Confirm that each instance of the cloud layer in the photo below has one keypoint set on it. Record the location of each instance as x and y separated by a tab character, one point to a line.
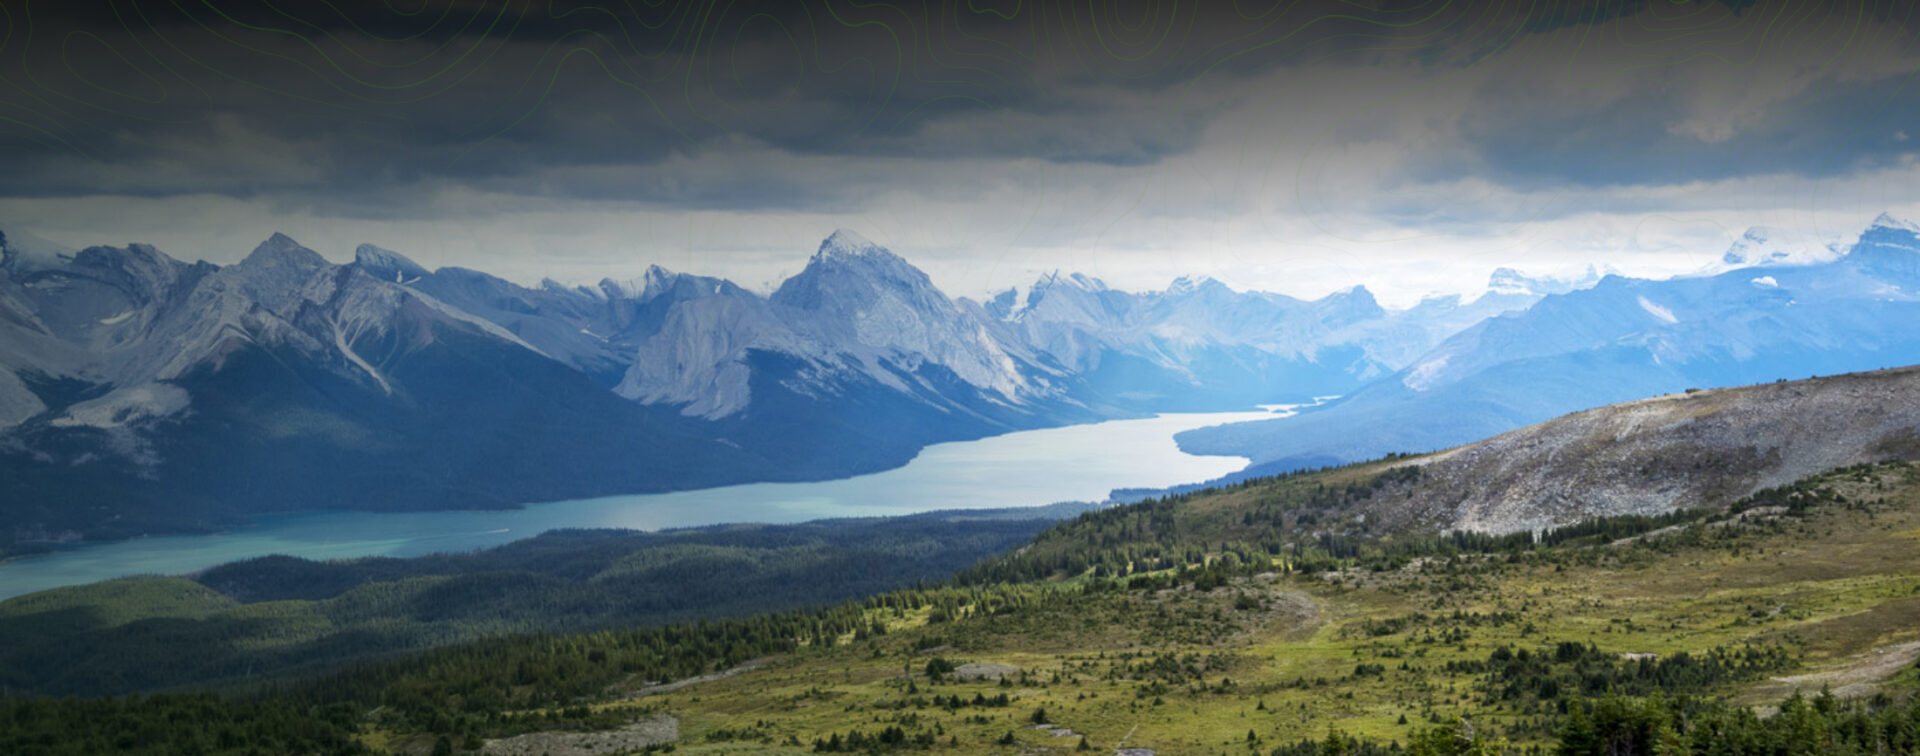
1291	145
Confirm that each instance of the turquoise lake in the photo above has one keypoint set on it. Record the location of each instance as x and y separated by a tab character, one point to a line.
1028	468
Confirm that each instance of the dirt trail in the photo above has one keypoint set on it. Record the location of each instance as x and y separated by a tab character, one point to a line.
669	687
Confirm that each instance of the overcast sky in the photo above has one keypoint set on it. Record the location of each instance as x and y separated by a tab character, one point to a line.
1292	146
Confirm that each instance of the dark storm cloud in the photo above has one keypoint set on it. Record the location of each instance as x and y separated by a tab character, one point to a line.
1835	129
1637	110
353	106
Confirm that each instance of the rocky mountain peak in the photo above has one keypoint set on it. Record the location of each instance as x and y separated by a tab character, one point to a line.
655	281
1358	296
281	251
849	244
1193	285
1887	222
1888	249
850	273
1510	281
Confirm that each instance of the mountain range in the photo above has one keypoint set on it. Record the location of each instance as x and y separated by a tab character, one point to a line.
140	393
1620	340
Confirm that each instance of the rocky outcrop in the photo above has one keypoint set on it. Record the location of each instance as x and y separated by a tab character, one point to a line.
1681	450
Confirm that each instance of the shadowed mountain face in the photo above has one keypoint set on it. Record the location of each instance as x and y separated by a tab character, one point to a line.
180	396
1621	340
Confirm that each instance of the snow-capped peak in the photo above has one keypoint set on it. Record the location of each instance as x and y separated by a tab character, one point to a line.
1742	251
1190	284
1886	221
1357	293
1054	279
846	243
658	281
19	250
1762	246
387	264
1510	281
1079	281
654	281
1889	248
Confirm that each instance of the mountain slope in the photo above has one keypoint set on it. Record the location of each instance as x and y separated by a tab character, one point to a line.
1656	455
595	330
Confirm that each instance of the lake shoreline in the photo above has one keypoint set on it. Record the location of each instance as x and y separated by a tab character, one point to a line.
1019	470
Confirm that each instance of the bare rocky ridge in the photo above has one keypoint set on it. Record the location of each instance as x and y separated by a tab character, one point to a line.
1656	455
652	731
984	671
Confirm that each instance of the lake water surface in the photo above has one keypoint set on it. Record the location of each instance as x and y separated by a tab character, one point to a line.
1029	468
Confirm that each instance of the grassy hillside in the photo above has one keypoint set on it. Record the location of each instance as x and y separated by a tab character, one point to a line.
1802	589
1621	626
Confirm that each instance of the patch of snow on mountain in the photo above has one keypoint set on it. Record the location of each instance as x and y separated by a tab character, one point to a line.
17	402
340	342
387	264
125	406
1665	315
1422	377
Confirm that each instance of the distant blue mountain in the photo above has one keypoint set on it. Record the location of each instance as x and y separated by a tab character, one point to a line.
1199	345
1621	340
